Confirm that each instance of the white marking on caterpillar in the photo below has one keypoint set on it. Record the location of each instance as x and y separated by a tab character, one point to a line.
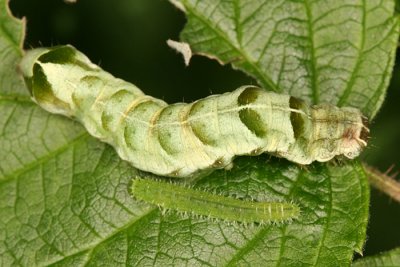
197	202
181	139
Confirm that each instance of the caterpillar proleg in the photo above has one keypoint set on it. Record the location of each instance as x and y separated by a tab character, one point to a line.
181	139
183	199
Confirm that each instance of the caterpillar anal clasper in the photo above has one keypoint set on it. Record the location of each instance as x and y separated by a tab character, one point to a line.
181	139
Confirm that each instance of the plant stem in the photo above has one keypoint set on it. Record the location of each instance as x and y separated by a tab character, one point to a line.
383	181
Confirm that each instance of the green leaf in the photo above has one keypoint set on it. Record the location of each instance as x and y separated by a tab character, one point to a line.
322	51
385	259
64	196
12	32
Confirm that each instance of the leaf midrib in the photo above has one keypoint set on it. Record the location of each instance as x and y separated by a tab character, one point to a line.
105	239
313	74
346	93
16	98
261	234
267	81
17	172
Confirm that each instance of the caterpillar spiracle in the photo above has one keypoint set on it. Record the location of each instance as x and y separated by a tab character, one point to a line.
181	139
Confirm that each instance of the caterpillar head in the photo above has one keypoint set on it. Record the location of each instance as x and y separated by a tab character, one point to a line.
355	137
338	132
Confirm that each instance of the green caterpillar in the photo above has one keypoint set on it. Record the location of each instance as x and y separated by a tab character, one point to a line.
183	199
181	139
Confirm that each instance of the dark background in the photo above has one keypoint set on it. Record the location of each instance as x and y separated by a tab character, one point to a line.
128	39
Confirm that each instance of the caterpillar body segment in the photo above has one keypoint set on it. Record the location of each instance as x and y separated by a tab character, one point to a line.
181	139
